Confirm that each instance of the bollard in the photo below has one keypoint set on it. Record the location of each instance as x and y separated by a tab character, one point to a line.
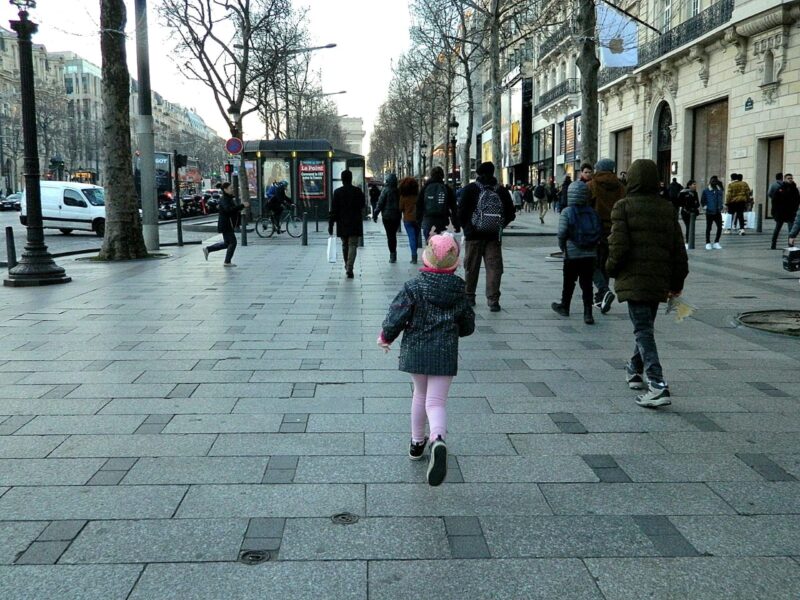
759	217
244	226
178	221
11	250
305	229
690	233
316	216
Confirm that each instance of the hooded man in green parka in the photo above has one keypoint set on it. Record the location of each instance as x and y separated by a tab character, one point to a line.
648	260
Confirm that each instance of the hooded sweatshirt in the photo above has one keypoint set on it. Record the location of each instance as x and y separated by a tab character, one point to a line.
606	190
646	252
432	312
566	244
389	202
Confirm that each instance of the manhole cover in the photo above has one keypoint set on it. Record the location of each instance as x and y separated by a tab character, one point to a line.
786	322
253	557
345	518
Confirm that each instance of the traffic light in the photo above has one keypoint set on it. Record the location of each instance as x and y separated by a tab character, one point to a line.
180	161
228	168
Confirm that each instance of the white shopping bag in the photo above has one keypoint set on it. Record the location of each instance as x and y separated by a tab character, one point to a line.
750	220
727	220
332	249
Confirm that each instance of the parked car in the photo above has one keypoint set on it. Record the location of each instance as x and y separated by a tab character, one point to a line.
10	202
67	206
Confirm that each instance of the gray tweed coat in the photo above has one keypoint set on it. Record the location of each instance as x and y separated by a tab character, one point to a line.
432	312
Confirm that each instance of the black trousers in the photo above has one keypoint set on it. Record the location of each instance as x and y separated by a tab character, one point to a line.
777	232
738	216
391	226
578	269
228	243
710	220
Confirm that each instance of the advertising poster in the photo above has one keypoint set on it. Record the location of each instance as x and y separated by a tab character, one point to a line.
505	129
275	170
516	123
312	180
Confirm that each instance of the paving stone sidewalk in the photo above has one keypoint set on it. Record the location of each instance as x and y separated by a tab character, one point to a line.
159	420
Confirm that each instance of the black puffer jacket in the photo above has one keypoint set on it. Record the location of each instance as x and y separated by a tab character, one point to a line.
229	211
389	201
646	252
432	312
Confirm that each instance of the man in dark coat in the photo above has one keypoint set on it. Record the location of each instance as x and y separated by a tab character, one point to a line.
648	260
346	210
374	194
785	202
606	190
228	219
484	246
446	214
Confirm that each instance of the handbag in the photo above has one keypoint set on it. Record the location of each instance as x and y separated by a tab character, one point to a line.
331	249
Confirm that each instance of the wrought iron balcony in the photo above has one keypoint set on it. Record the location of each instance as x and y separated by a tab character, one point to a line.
715	15
554	40
609	74
568	86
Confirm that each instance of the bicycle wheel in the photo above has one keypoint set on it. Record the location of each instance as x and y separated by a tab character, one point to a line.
264	227
294	226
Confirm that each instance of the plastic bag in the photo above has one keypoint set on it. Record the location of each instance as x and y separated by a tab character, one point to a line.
680	307
331	249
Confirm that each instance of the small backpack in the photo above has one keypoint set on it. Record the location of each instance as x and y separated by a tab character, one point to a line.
584	226
538	191
435	200
488	215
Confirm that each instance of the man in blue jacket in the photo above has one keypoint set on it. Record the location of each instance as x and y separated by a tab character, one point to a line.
713	200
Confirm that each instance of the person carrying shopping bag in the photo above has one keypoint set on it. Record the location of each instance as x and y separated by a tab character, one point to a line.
432	313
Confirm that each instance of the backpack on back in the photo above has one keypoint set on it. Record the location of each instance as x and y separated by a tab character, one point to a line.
435	200
488	215
538	191
584	226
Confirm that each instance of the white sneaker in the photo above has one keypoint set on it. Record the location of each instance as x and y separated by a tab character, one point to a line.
657	395
708	246
741	232
717	246
686	246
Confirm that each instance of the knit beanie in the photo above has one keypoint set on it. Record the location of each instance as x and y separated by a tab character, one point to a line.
441	252
605	164
578	193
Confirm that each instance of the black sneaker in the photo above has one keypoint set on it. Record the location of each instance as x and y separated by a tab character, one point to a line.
417	449
494	308
437	465
634	379
560	309
608	298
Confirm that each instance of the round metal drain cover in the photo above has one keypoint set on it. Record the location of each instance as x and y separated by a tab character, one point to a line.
253	557
786	322
345	518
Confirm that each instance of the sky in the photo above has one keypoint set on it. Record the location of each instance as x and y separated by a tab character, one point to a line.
369	34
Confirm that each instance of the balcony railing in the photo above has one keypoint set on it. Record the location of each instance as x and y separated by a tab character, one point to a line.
554	40
568	86
715	15
609	74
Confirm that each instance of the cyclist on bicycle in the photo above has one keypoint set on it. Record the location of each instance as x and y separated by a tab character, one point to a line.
277	203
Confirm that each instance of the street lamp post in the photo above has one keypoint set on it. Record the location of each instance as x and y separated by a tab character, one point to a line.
453	124
36	266
242	188
422	148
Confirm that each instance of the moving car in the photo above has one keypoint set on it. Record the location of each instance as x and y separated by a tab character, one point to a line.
67	206
10	202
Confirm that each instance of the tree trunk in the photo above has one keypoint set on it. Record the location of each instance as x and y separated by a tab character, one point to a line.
466	171
123	227
589	65
494	82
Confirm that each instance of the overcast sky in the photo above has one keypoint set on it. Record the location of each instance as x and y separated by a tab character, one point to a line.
368	34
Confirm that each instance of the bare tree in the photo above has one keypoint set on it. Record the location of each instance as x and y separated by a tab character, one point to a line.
123	238
51	121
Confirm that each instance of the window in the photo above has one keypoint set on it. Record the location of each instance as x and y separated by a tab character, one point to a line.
96	196
69	85
695	8
73	198
769	67
667	12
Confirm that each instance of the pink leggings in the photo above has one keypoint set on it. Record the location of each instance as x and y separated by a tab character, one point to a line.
430	397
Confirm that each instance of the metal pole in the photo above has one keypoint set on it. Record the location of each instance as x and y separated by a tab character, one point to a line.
759	218
305	228
177	187
36	267
144	132
690	234
11	250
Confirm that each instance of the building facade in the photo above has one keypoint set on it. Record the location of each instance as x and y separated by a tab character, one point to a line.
354	133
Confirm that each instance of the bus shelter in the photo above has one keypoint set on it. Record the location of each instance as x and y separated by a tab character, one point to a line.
312	168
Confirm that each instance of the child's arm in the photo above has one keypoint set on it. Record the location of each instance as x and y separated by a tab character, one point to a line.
399	315
465	321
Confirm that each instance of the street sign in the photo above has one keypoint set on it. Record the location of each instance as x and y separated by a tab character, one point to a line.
234	146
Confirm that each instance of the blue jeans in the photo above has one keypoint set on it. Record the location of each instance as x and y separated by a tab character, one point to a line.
645	353
412	231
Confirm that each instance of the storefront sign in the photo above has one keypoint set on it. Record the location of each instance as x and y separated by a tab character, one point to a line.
748	105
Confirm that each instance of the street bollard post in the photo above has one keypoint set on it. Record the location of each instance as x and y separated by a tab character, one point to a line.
759	217
11	250
690	233
305	228
244	226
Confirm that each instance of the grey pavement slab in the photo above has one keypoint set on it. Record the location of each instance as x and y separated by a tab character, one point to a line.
368	539
29	446
401	405
94	424
196	470
224	423
119	390
752	498
69	582
633	498
456	424
48	471
460	444
308	405
706	577
462	499
267	444
341	580
760	535
565	537
243	390
162	540
34	406
686	467
634	422
482	579
16	536
359	469
308	500
42	553
592	443
789	462
525	469
62	530
91	502
174	406
79	446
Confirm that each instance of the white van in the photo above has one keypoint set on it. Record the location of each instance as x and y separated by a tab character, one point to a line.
67	206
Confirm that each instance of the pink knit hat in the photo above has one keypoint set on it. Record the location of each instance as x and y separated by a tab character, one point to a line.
441	253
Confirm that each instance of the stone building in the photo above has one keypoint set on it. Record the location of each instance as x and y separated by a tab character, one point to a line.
353	129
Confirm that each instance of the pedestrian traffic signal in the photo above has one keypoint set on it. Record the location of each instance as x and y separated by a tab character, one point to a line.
180	161
228	168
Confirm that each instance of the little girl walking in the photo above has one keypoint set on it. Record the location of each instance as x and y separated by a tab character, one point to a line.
432	312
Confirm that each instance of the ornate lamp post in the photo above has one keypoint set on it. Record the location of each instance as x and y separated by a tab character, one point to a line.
422	148
36	266
453	124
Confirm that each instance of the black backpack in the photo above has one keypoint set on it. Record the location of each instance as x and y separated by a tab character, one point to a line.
538	191
584	226
488	215
435	200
